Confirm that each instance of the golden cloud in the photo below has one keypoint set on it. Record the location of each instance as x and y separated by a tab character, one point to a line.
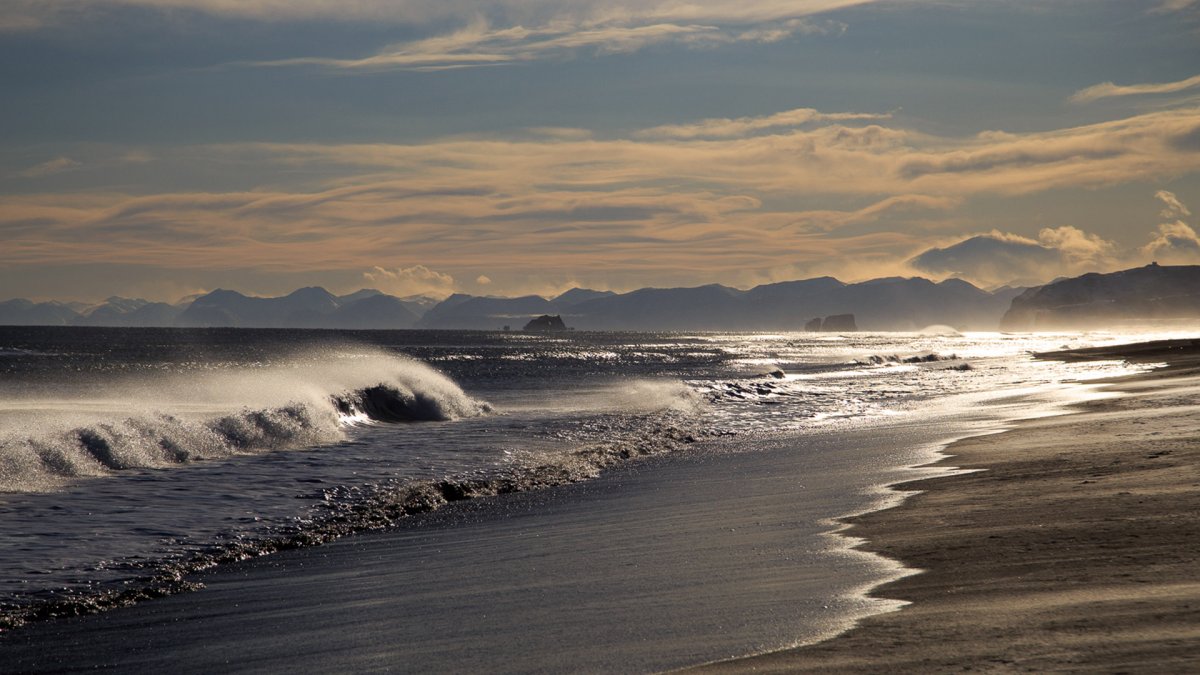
559	203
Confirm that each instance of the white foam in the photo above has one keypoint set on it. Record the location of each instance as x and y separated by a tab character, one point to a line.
163	420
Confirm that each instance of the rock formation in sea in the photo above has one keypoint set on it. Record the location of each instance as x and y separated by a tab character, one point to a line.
545	324
839	323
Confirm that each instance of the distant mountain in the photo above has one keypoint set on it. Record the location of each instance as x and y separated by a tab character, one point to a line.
118	311
27	313
311	307
1141	296
358	295
373	312
418	304
576	296
415	304
705	307
488	313
892	303
881	304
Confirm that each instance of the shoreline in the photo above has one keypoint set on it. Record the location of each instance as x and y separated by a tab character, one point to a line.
662	564
1065	543
295	584
653	566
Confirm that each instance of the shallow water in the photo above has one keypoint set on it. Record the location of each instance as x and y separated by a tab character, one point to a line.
129	454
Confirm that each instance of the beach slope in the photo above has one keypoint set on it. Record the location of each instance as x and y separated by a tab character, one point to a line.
1075	546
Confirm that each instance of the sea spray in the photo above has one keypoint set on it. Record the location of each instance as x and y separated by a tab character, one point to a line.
163	421
347	509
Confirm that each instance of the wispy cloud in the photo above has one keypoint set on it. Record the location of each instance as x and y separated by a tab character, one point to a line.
829	220
1174	242
744	126
1175	208
480	44
1110	90
829	159
1175	5
561	203
48	168
35	13
415	280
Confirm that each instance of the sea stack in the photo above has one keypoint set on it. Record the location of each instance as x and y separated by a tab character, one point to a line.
839	323
546	324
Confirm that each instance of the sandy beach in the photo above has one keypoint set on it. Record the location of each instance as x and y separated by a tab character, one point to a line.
1074	547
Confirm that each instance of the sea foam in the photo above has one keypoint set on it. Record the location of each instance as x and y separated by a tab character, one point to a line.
158	421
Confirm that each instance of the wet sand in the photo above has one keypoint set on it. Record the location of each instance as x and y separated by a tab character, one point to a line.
1076	547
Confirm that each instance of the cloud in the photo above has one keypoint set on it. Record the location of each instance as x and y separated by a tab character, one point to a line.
415	280
561	133
824	221
483	280
479	44
1092	155
1173	242
1079	250
1167	6
57	165
1175	208
744	126
490	34
1110	90
35	13
1000	258
628	207
831	158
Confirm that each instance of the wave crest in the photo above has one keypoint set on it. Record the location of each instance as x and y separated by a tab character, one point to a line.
879	360
396	404
282	409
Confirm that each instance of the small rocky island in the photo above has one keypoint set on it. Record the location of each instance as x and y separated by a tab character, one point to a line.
838	323
546	324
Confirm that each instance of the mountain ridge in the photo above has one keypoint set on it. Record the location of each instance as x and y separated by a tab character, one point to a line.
1143	295
892	303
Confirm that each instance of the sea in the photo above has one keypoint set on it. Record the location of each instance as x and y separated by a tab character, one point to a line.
131	459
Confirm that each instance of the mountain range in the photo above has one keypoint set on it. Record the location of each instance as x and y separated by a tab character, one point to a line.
881	304
892	303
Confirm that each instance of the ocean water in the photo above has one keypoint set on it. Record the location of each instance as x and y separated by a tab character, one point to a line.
130	458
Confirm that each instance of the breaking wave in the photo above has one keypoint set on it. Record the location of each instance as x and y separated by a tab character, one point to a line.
878	360
174	421
348	509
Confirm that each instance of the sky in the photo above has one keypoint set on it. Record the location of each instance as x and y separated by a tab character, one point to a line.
162	148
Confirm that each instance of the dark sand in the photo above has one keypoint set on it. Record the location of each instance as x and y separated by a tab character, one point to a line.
1077	548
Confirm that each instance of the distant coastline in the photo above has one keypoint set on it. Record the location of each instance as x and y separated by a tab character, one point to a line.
1150	295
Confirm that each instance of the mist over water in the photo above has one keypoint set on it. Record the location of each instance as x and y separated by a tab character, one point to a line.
135	454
